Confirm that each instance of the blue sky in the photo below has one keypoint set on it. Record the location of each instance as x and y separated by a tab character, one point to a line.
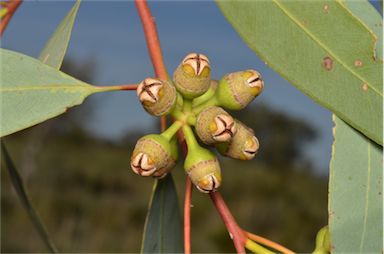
111	33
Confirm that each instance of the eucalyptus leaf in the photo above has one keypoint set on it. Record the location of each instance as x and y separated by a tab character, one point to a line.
33	92
321	48
355	192
163	232
54	50
353	225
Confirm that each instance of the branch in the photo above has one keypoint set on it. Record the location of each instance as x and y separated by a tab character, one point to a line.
236	233
187	216
11	9
125	87
152	39
153	44
268	243
163	123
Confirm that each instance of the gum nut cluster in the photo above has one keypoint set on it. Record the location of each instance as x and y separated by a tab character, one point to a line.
197	104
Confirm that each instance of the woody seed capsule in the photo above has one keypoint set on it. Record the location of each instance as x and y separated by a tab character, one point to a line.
244	145
153	156
214	125
203	168
236	90
192	76
157	96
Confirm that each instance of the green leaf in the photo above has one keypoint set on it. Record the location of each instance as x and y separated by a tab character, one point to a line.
33	92
54	51
163	232
355	192
321	48
356	229
24	198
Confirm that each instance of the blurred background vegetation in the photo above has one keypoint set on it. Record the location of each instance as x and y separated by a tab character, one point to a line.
91	201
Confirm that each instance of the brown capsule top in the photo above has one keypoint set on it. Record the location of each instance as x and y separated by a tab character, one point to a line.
208	183
255	80
158	97
148	90
225	128
142	165
250	147
194	64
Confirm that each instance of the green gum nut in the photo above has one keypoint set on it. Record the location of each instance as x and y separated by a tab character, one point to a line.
214	125
236	90
203	168
153	155
243	146
162	172
192	77
158	97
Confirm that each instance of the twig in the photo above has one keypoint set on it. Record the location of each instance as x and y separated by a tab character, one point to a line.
152	39
118	87
187	216
11	9
268	243
235	231
163	123
256	248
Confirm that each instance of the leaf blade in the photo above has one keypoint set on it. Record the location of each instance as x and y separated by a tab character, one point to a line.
18	184
33	92
355	192
366	236
278	32
56	47
163	228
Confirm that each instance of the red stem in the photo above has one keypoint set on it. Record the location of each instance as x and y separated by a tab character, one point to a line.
163	123
237	234
155	53
268	243
12	7
187	216
129	87
152	39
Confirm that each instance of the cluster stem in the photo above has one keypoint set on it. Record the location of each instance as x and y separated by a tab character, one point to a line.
172	130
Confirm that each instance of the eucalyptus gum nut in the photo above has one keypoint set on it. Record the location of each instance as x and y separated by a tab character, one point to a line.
236	90
214	125
207	95
174	152
153	154
158	97
243	146
192	77
203	168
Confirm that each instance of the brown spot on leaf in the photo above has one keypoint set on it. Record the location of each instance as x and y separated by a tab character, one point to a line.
327	63
358	63
326	8
365	87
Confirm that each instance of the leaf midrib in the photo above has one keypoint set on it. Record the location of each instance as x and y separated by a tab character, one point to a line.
317	40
